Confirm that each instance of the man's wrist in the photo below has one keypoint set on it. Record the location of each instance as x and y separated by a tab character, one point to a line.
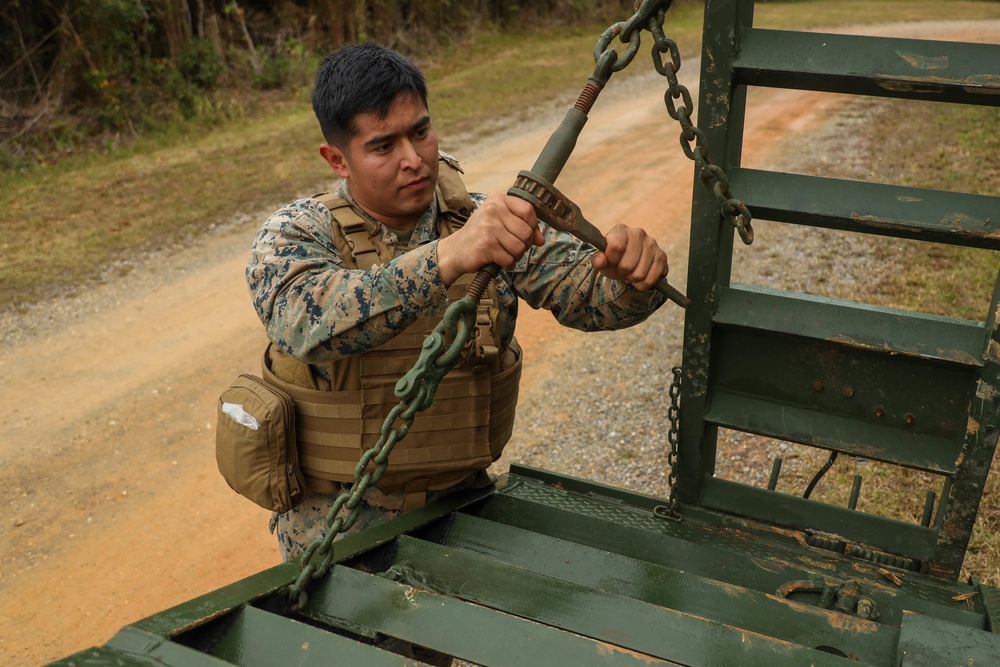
446	260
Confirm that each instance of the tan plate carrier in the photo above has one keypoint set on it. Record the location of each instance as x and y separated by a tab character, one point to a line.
473	412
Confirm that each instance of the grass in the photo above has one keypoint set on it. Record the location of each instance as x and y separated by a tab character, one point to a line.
808	14
945	147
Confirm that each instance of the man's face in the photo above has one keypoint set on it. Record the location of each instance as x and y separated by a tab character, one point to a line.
390	164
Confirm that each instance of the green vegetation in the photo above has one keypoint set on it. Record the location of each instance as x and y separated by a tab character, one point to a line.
103	72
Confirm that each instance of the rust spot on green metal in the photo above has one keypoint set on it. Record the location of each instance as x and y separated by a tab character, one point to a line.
918	61
604	648
985	390
959	356
958	219
793	534
767	566
993	350
843	621
909	86
983	80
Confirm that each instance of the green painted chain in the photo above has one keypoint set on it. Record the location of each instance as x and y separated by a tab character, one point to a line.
711	175
650	14
415	392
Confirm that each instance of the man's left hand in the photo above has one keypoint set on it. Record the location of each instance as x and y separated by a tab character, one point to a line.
633	256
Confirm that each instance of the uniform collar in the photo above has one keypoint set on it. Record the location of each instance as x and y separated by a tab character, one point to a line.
423	232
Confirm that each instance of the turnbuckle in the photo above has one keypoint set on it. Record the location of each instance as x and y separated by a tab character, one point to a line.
558	211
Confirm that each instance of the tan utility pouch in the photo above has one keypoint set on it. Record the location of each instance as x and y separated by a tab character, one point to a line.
255	444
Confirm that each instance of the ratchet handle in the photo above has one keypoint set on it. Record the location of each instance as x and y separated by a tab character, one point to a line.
560	212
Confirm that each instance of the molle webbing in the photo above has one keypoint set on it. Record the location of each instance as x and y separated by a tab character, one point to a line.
465	429
359	240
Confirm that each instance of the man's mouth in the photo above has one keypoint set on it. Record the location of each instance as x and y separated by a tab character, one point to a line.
415	184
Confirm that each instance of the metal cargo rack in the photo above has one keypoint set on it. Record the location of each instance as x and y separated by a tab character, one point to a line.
546	569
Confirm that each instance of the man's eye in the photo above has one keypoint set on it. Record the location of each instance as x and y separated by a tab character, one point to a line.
383	148
422	132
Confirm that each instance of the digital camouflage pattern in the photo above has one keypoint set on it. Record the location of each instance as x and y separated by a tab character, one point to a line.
318	310
302	525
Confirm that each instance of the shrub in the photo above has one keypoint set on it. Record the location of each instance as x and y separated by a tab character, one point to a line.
200	64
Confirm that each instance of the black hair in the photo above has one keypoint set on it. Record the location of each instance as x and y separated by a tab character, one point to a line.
361	78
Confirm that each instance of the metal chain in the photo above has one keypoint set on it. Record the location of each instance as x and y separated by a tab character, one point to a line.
673	437
670	511
710	174
416	389
416	393
650	14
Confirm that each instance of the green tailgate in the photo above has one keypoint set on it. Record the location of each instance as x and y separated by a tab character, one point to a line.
551	570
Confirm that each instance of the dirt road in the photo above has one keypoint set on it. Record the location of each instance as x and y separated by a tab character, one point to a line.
113	507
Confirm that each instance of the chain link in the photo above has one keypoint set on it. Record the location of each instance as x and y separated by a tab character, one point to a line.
710	174
650	14
416	393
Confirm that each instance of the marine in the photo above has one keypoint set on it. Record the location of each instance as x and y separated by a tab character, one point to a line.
339	315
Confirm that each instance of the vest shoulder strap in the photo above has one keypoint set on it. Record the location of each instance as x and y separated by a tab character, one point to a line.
357	240
453	197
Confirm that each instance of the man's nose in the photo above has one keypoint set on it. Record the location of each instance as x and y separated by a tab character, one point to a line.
410	158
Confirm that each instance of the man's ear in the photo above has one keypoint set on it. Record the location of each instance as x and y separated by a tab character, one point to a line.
336	159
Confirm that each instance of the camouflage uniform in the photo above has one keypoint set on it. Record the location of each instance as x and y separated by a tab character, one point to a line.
317	310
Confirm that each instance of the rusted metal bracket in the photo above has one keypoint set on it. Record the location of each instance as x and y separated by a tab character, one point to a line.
845	598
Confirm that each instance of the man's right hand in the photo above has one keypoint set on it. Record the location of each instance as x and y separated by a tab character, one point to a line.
500	231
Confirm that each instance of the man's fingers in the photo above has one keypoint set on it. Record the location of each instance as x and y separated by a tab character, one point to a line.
633	256
522	209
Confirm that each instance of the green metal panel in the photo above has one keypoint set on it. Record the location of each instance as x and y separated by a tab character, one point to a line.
488	637
977	452
257	638
903	388
721	119
956	218
547	569
863	326
660	585
101	656
924	641
867	65
895	537
629	622
751	555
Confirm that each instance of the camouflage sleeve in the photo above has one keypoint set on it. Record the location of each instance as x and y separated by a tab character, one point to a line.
316	309
559	277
